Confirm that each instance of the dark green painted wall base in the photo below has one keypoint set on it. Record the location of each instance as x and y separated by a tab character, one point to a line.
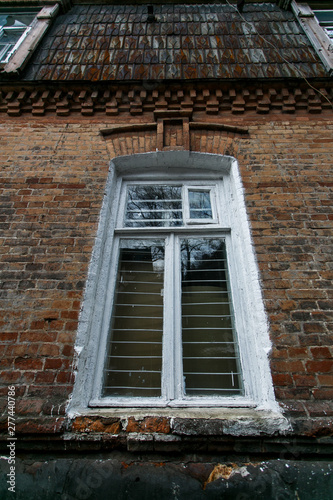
79	478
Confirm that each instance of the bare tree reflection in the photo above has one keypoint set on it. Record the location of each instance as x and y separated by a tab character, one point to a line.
154	206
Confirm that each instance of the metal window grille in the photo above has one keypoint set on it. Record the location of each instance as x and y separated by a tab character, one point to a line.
172	298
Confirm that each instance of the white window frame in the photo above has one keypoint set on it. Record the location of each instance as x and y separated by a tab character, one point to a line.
18	57
172	363
250	318
316	34
212	190
6	54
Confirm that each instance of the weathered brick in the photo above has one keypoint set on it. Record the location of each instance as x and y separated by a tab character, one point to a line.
288	366
53	363
319	366
149	424
304	380
319	408
51	208
95	424
282	379
323	393
298	352
321	352
28	364
29	406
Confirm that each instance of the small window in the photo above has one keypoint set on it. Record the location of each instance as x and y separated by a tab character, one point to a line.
325	19
14	26
200	206
169	206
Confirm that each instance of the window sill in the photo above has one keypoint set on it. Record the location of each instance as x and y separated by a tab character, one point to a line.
184	421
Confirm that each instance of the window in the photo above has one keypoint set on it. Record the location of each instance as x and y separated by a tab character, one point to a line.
14	26
317	25
172	332
173	314
325	19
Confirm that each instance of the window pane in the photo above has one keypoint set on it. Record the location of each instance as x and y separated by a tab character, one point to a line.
200	204
159	206
134	362
8	39
13	26
18	19
210	357
325	19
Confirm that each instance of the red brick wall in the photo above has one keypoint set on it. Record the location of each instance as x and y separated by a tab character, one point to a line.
52	179
53	173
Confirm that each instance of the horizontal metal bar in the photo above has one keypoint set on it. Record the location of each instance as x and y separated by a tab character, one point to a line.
137	342
138	271
140	293
113	356
138	317
133	371
213	260
205	315
208	269
206	303
141	262
210	373
203	358
137	330
131	387
206	281
142	283
212	389
208	328
140	305
208	342
199	292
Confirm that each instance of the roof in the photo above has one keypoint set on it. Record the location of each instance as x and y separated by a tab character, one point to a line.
176	42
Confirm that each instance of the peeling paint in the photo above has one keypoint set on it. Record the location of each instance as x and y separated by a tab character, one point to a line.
220	471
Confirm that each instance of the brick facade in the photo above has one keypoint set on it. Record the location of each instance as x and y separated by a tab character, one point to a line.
107	81
52	182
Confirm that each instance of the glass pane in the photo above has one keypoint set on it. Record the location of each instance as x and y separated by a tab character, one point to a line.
159	206
17	19
11	36
13	24
134	362
210	356
324	15
200	204
325	18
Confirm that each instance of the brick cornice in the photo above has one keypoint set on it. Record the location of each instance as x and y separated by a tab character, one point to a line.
212	99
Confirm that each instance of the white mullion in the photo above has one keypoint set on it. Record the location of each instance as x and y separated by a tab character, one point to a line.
186	207
168	369
178	349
